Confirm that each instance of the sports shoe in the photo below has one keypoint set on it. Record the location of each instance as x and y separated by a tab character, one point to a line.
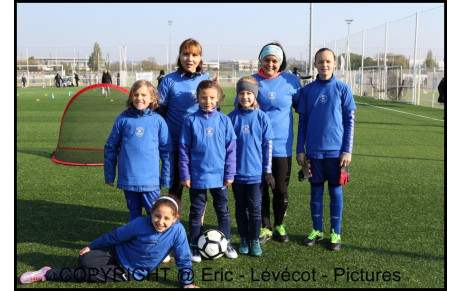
167	259
265	235
336	242
280	233
244	248
230	252
196	257
255	247
34	276
314	237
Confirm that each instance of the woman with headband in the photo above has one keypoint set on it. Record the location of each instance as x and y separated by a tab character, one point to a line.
130	252
277	95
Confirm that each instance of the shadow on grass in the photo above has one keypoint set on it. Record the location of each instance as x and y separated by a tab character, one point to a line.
404	158
64	225
324	244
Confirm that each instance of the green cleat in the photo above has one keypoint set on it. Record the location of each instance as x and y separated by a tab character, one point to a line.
336	242
265	235
280	233
314	237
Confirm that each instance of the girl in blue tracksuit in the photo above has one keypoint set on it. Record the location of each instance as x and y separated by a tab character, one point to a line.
139	139
207	160
254	160
178	94
130	252
325	133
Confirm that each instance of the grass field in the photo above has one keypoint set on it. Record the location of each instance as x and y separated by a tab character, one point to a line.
393	229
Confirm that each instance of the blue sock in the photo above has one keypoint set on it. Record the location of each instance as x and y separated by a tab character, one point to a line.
336	206
316	207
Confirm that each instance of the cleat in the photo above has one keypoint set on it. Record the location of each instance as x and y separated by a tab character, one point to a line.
336	242
34	276
244	248
196	257
265	235
255	248
280	233
314	237
230	252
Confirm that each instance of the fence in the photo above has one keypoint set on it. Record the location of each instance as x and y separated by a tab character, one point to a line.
413	37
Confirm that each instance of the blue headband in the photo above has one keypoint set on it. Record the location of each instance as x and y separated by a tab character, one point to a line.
273	50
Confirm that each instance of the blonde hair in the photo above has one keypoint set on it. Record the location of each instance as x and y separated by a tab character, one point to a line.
252	80
153	92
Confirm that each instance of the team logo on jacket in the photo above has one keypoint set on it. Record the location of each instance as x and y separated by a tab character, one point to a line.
139	131
271	95
192	96
246	129
209	131
323	99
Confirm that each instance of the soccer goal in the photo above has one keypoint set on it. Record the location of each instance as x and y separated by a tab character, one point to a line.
385	82
37	75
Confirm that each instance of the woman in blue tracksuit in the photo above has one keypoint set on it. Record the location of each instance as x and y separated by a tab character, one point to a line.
207	160
277	96
139	139
253	159
130	252
178	94
325	133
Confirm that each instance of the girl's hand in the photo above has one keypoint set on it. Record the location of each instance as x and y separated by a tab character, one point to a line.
344	159
84	251
301	159
227	182
191	286
110	184
186	184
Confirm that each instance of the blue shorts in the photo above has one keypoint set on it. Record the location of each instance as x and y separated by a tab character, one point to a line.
325	170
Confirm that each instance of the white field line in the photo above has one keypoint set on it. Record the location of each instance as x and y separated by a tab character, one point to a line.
400	111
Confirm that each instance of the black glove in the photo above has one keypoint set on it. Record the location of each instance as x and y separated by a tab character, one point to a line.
268	177
305	172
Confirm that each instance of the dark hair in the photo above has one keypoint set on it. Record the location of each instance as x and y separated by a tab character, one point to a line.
284	63
166	202
325	49
162	72
191	45
206	84
137	85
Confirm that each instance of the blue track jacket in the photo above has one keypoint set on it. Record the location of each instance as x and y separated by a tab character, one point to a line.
138	140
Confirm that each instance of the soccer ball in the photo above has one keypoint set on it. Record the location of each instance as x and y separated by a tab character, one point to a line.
212	244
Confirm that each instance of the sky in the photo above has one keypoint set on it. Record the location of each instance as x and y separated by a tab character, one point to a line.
225	30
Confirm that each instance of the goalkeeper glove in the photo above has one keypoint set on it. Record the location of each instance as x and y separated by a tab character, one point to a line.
344	175
305	172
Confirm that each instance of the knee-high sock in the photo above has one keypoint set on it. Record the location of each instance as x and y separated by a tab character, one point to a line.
336	206
316	207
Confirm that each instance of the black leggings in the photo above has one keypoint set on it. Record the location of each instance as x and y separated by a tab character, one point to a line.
98	266
281	168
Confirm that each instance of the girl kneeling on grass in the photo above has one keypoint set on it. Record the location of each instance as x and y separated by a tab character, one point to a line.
130	252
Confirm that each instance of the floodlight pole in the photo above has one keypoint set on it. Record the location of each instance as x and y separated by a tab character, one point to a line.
168	66
348	21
